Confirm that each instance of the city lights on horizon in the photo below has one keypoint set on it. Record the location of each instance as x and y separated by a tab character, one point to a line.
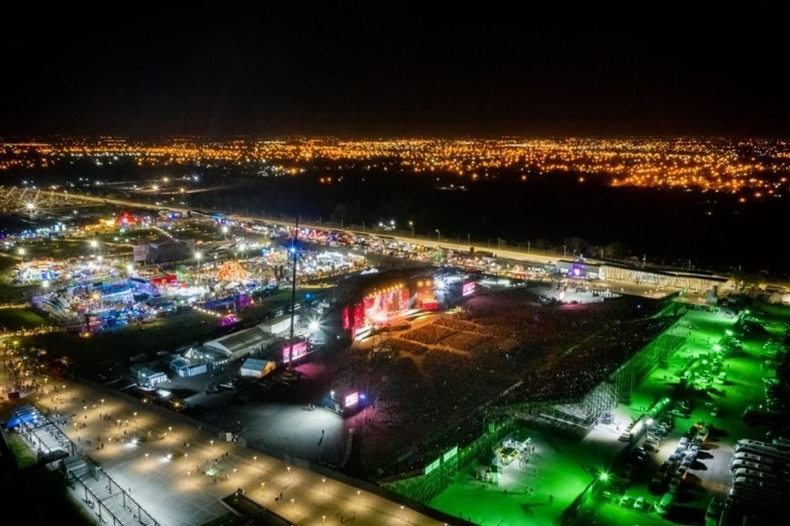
754	169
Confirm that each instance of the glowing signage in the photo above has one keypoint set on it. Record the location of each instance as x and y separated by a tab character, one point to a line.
433	465
299	350
228	319
449	454
468	289
352	399
430	304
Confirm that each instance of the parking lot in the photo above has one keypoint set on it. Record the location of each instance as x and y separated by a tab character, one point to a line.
679	469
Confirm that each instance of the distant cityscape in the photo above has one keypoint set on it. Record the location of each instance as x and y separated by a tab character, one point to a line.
750	169
627	199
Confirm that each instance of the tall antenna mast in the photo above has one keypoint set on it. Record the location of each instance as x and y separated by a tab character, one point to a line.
293	297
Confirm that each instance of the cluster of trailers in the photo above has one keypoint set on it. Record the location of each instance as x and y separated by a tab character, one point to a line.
760	471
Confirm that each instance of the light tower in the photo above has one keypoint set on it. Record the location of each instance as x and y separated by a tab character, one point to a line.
290	373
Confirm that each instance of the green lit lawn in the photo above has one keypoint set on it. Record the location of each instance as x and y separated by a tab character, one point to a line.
25	456
742	388
523	495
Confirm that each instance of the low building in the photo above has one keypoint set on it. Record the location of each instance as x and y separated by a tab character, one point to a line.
242	343
256	367
212	357
278	326
185	368
146	377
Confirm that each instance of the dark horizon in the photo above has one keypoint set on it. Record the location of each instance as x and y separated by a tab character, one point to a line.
392	70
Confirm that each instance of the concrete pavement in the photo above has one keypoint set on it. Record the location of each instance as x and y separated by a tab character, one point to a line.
179	474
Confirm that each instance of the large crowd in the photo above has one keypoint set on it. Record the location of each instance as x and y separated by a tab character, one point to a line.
429	334
573	374
18	374
441	375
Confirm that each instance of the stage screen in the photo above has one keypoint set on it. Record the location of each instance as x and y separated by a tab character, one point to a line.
352	399
468	288
300	349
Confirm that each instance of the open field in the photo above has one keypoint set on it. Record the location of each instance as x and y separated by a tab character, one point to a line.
16	319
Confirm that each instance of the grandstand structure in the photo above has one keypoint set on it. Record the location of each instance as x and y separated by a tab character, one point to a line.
698	282
577	415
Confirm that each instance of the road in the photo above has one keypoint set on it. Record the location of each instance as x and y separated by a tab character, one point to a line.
524	256
521	256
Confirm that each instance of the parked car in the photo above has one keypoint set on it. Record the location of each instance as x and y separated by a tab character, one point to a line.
657	484
713	512
674	485
665	504
649	445
609	496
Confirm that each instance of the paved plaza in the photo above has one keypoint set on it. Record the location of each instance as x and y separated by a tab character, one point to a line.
179	475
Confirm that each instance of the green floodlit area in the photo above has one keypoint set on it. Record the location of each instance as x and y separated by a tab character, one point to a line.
665	454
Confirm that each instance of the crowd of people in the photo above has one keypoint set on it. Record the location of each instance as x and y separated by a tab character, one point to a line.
574	373
441	375
17	372
430	334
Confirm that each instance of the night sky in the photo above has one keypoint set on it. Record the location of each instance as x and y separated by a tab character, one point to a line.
397	69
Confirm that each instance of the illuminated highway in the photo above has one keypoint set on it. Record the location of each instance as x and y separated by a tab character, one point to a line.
524	256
